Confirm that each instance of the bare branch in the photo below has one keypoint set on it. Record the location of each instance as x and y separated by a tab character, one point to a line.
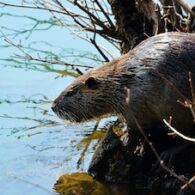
100	51
3	4
93	41
105	14
32	184
45	8
95	19
177	132
190	181
29	57
192	88
163	166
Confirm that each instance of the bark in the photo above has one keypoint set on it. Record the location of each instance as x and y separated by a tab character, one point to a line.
135	21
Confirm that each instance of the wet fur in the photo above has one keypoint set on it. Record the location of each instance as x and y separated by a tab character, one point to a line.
156	72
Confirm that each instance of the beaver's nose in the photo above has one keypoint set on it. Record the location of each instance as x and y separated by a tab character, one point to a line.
54	106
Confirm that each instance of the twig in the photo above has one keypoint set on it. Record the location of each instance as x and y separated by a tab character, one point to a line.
100	51
86	38
32	58
190	181
3	4
159	159
79	71
95	19
177	132
164	167
80	160
105	14
93	41
33	184
192	88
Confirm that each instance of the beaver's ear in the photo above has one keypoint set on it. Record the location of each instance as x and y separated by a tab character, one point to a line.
91	83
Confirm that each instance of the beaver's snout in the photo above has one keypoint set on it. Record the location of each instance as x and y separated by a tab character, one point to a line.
54	106
61	101
56	103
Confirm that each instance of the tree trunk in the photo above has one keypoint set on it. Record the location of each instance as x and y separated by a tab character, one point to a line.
135	21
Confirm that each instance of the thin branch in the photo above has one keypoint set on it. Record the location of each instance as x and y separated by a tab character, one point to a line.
177	132
53	62
192	88
46	8
163	166
82	155
30	57
105	14
100	51
3	4
33	184
159	159
93	41
95	19
190	181
84	38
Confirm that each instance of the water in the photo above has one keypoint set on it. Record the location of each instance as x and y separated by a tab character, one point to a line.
31	155
35	146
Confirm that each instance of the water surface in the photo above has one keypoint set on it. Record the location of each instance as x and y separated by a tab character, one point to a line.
35	146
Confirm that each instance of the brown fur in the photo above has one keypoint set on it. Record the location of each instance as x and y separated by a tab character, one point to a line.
156	72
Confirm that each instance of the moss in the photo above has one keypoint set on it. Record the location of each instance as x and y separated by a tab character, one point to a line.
80	183
96	135
99	134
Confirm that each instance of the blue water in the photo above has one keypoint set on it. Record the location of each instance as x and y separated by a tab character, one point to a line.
31	157
34	152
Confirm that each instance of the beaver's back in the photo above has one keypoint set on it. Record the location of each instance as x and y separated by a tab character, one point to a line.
162	78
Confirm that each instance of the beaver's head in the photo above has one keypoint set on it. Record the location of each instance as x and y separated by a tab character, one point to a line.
96	93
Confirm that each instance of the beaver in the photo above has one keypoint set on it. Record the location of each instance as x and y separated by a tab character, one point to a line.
156	72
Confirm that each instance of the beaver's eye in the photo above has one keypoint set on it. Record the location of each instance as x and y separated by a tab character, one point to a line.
69	93
91	83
